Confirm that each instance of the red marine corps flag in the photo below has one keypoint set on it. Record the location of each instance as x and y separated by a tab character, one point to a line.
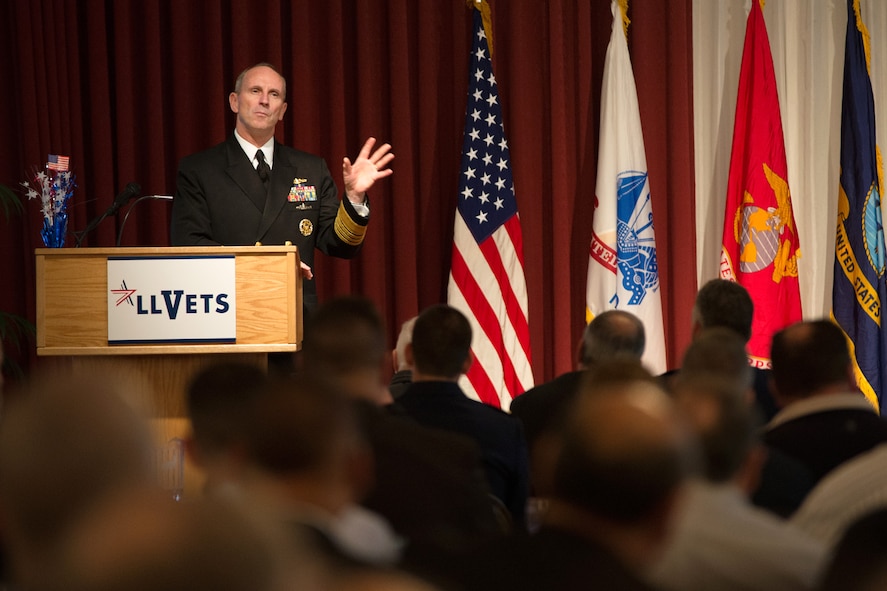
760	246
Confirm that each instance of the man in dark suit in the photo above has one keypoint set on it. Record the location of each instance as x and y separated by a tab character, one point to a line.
251	189
723	303
440	353
612	334
825	420
622	463
428	483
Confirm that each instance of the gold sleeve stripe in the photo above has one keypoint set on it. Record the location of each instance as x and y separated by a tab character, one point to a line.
347	229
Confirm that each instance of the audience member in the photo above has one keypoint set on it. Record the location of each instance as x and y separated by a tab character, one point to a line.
219	399
727	304
135	544
376	580
344	345
612	334
429	483
403	372
440	352
719	351
67	442
856	487
622	463
310	466
858	562
721	541
824	420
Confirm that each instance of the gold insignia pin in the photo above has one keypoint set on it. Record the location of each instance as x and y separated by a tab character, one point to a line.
298	181
306	227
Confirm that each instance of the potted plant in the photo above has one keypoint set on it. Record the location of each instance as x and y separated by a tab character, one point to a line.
15	330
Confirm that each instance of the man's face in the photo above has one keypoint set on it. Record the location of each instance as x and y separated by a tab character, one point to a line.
259	104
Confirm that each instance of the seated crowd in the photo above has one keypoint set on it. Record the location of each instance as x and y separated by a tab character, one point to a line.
712	476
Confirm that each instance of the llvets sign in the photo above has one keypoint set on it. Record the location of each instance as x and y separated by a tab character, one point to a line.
171	300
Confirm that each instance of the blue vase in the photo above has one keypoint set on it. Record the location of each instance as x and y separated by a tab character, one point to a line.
54	234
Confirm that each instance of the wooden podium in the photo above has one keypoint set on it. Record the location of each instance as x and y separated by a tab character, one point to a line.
72	324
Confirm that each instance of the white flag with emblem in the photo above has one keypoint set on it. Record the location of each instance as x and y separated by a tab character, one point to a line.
623	272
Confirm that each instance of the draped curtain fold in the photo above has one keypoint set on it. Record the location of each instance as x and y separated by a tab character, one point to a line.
127	88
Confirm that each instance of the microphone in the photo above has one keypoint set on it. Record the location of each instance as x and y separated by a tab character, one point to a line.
133	206
130	191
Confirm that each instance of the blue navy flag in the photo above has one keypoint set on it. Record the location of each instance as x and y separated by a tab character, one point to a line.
487	280
859	284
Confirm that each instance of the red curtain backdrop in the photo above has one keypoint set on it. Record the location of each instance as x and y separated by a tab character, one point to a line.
127	88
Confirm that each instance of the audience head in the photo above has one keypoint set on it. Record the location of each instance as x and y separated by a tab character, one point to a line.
404	338
723	303
858	560
66	442
719	351
810	358
718	412
381	580
623	451
219	399
305	436
441	345
623	458
611	334
134	544
345	345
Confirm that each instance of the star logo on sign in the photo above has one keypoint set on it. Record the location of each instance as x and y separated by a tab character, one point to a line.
124	294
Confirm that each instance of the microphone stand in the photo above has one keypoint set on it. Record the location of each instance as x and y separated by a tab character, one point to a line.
131	190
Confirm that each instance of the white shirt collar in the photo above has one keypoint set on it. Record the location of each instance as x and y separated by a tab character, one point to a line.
250	150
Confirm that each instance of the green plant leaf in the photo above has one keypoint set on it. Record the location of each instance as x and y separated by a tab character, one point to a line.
10	202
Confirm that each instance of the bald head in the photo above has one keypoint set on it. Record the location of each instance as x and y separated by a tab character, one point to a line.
612	334
624	452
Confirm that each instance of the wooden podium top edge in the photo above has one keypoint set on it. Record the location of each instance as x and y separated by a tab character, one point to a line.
162	250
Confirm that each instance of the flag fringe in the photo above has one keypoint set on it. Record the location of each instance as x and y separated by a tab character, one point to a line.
866	38
623	6
486	14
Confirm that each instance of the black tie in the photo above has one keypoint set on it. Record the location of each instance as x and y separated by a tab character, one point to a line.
263	169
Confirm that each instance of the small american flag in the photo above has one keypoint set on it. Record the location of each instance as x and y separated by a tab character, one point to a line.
487	280
56	162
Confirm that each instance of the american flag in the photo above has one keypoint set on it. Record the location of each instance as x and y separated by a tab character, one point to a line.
487	275
56	162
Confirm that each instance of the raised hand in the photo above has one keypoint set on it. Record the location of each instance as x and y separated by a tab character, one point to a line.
360	175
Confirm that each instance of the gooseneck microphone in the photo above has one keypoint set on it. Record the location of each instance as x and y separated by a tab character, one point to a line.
133	206
131	190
